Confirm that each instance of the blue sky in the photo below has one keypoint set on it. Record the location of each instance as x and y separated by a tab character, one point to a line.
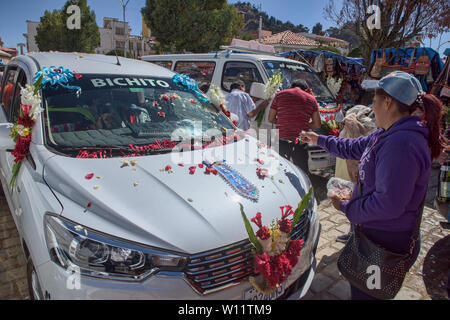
14	13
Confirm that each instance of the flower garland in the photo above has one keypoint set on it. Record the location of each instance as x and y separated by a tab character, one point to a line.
270	90
30	109
334	110
275	254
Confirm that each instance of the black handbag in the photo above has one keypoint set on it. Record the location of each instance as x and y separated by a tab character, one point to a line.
360	255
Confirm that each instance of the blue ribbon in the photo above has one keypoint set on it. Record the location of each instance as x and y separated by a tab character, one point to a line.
53	77
189	84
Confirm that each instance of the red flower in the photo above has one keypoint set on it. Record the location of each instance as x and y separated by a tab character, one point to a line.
263	233
89	176
193	101
293	251
166	98
261	173
257	220
200	165
26	110
162	114
286	211
235	123
192	170
285	225
327	119
25	121
168	167
78	76
262	265
181	165
214	172
21	148
155	104
332	117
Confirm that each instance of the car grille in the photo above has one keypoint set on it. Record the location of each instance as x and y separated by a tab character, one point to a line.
219	269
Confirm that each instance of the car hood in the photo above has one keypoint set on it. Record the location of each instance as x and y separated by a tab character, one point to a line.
176	211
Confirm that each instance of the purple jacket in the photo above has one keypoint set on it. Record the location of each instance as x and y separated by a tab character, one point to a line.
394	171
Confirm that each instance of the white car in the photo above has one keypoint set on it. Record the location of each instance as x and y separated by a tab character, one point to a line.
102	216
223	68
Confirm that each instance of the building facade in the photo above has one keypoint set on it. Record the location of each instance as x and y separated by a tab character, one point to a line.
112	37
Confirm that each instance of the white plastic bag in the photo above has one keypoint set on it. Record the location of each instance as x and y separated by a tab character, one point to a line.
339	188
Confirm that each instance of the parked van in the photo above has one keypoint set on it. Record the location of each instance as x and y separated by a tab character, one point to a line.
223	68
104	213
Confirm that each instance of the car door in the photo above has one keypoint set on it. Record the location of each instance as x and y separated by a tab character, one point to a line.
6	158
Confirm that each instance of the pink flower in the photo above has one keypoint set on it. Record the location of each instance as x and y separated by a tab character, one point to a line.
193	101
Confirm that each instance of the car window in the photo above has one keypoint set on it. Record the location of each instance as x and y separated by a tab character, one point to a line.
201	71
16	100
244	71
8	88
120	110
164	64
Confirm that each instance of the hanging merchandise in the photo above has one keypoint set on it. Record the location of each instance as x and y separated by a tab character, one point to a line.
319	63
329	66
423	64
410	63
376	69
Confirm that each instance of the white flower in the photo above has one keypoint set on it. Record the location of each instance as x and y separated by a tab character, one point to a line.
334	85
35	112
273	85
216	96
22	131
280	243
28	98
266	245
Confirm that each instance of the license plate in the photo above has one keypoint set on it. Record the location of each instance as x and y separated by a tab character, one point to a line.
253	294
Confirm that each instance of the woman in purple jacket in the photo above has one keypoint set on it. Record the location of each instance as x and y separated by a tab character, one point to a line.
394	164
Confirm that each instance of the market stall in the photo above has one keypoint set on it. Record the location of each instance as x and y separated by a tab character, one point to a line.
424	63
341	73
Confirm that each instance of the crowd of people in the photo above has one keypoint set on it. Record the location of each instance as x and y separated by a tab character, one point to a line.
389	160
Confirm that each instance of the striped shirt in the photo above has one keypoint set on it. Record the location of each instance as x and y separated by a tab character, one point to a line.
294	110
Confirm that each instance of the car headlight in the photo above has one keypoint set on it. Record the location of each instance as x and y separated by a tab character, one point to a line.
99	255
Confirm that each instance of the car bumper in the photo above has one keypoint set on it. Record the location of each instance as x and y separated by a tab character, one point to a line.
60	284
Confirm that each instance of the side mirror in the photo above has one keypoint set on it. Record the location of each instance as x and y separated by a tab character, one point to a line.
257	90
6	143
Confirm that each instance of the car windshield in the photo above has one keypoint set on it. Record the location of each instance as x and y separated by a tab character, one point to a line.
125	111
294	71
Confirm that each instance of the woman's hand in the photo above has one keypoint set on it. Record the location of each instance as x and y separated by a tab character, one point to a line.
336	203
309	137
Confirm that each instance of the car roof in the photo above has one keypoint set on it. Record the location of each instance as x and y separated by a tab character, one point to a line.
96	63
219	55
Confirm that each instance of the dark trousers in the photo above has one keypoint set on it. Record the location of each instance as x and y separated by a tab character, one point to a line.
398	242
295	153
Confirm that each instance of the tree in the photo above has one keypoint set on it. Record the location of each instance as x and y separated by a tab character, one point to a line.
194	26
401	20
53	33
317	29
346	32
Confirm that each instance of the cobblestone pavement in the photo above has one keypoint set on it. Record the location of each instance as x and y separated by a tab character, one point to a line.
328	283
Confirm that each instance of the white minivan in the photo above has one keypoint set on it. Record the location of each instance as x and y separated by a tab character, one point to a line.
104	212
223	68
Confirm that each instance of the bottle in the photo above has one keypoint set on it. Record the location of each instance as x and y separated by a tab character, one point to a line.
444	185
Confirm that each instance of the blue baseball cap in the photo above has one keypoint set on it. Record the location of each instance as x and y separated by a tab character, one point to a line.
401	86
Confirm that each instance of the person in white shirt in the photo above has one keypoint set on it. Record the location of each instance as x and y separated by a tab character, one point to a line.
240	103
